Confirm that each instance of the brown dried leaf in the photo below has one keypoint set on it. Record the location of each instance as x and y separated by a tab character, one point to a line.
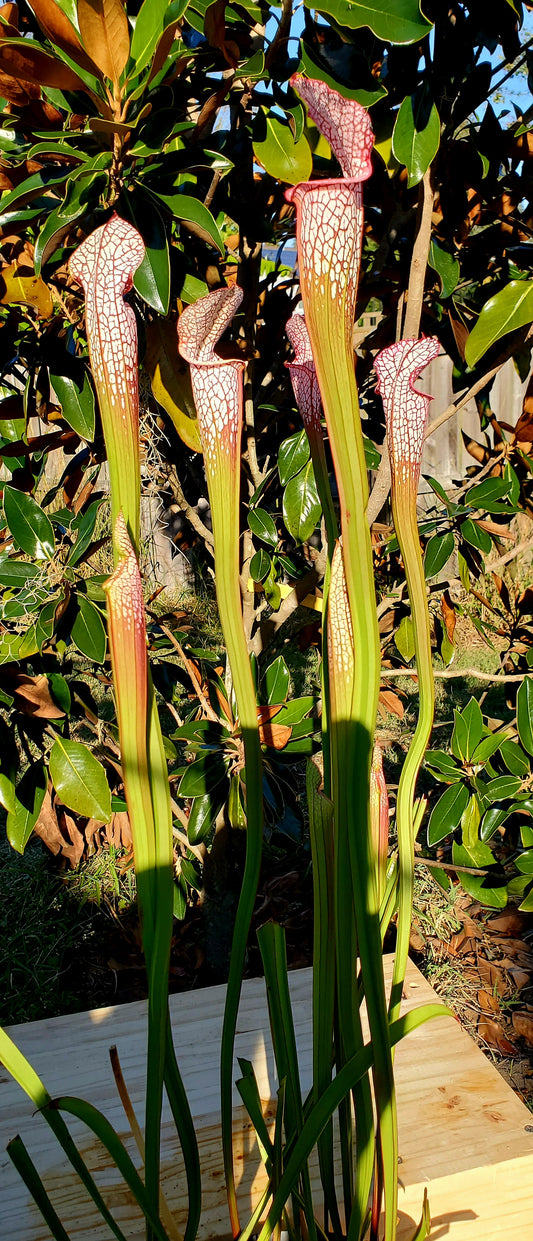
478	451
30	64
59	30
448	614
487	1002
391	703
492	976
105	33
33	697
509	923
493	1034
73	851
275	735
268	712
523	1026
47	826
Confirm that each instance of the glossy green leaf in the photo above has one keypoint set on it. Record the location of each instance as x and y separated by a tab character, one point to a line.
280	155
192	211
446	267
60	691
404	639
416	135
488	889
277	681
506	311
202	776
473	721
301	504
149	26
204	811
263	526
15	573
444	763
260	565
293	454
514	758
437	553
29	797
152	278
487	747
84	525
446	815
179	900
493	819
88	631
394	21
31	528
524	714
470	820
76	398
476	536
489	495
80	780
272	590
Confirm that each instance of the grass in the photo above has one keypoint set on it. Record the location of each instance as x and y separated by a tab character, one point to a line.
51	927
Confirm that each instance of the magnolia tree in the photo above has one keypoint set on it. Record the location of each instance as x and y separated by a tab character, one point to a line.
152	156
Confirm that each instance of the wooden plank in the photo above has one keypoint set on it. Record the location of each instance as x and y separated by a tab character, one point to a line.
463	1132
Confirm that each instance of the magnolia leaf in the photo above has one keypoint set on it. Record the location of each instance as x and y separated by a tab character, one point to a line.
508	310
301	504
438	551
24	59
195	216
152	278
76	398
277	681
58	28
416	136
171	380
105	33
446	266
149	25
280	155
524	714
30	527
88	631
32	696
293	454
488	889
263	526
29	797
20	286
80	780
394	21
404	639
447	813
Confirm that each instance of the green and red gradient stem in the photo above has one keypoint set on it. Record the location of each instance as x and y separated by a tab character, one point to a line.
406	411
104	265
217	385
329	227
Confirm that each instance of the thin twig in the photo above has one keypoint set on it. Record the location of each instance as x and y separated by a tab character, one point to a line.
190	513
189	668
463	870
448	673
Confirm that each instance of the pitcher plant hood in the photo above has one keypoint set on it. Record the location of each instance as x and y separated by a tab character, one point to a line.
216	381
343	122
104	264
406	409
303	374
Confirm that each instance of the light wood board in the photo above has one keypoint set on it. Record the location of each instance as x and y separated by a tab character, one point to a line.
463	1132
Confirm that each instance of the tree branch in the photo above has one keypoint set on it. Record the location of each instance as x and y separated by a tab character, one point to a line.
419	261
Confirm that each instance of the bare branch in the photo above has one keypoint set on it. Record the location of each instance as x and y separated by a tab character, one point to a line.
447	673
419	260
